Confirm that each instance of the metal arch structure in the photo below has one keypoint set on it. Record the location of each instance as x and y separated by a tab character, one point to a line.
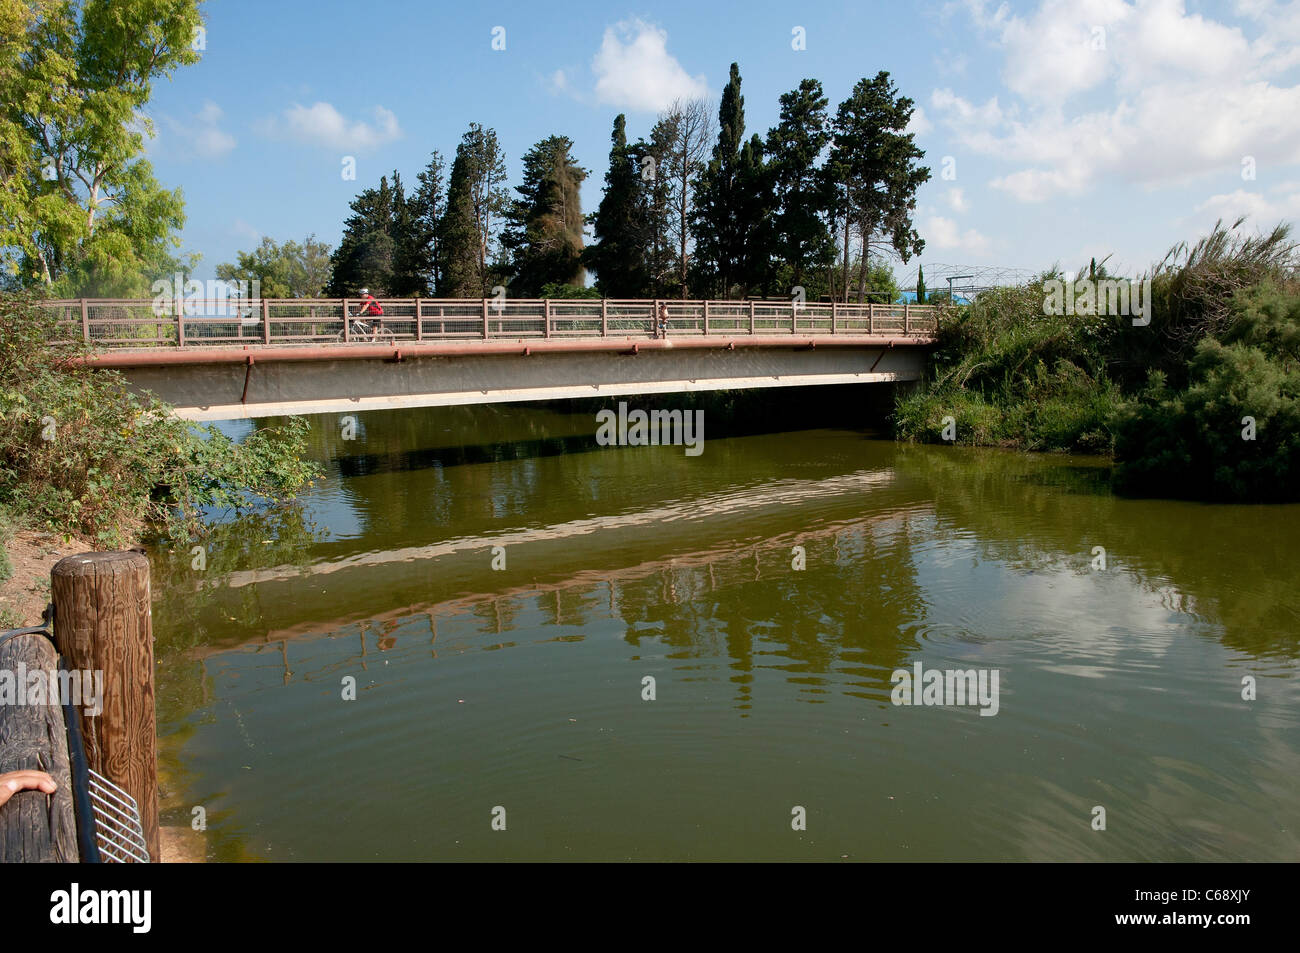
969	280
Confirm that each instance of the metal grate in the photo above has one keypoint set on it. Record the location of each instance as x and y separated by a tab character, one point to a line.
118	830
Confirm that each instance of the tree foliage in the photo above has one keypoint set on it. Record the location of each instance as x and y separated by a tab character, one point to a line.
80	210
288	270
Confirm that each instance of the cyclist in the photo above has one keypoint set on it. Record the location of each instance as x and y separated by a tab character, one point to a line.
371	306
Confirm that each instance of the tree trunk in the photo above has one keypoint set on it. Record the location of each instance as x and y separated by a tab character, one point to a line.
862	267
846	259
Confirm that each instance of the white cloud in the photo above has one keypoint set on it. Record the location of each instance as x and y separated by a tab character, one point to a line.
559	81
198	136
944	233
321	124
634	69
1169	95
920	123
1265	211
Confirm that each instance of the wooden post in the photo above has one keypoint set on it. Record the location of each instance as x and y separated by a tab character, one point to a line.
751	317
871	318
485	321
102	623
180	327
546	305
419	324
604	317
35	827
347	323
85	321
266	321
706	315
834	316
907	319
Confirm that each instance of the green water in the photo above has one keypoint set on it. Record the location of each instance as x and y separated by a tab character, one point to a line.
522	687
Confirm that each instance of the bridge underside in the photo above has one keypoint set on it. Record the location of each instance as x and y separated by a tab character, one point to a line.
246	383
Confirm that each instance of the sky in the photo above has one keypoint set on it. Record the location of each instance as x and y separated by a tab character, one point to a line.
1056	130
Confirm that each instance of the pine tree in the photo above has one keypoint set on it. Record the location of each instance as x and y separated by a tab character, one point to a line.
364	258
801	240
920	284
873	162
544	234
415	234
618	258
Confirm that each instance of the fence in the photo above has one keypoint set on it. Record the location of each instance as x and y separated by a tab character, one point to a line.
147	323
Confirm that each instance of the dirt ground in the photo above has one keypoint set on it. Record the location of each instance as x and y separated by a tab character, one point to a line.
25	594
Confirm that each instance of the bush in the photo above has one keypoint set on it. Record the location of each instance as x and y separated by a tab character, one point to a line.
1193	442
79	452
1013	376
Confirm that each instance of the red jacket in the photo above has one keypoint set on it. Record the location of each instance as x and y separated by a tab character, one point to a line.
372	306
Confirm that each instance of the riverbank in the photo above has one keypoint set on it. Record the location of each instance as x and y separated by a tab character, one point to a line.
1195	393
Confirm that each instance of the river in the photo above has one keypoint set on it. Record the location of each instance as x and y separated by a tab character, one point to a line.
635	653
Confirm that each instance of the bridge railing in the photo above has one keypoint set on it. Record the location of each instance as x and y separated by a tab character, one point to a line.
149	323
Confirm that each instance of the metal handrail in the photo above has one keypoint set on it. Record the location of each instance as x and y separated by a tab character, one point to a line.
159	322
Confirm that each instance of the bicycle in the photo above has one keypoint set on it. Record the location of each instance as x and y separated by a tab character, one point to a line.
368	334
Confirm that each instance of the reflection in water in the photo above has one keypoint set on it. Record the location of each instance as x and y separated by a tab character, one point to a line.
522	686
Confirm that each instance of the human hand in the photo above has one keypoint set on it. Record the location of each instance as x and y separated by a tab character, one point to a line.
14	781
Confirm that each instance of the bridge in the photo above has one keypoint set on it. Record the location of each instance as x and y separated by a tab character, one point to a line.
241	358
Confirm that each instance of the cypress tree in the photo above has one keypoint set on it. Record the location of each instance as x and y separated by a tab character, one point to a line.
719	234
920	284
618	257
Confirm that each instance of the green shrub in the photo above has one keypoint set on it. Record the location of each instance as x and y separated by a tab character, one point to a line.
79	452
1192	441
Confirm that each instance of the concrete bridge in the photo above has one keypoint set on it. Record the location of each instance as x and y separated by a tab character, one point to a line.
229	359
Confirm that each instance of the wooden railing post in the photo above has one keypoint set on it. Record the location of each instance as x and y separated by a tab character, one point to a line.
347	323
871	318
751	317
485	318
85	321
419	322
180	326
834	316
266	321
794	318
907	319
102	624
546	306
604	317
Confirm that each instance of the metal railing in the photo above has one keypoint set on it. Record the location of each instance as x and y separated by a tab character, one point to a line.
149	323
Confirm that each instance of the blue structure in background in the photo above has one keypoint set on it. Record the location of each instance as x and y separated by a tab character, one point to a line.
909	297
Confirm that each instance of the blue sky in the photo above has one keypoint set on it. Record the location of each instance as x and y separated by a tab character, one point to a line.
1072	128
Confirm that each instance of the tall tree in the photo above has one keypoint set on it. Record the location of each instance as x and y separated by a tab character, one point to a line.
920	284
681	135
423	256
477	202
719	233
289	270
545	222
618	257
874	162
80	210
801	238
364	258
754	207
